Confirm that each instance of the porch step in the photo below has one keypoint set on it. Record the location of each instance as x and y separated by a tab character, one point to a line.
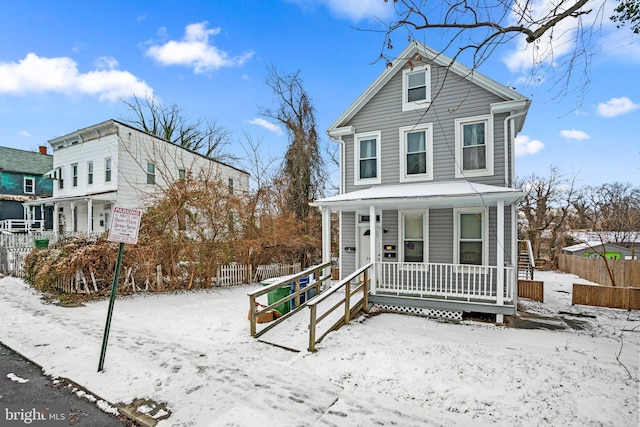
425	312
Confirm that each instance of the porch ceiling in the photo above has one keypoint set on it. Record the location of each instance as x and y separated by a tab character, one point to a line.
422	195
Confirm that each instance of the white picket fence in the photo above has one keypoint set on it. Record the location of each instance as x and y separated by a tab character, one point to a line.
14	248
234	274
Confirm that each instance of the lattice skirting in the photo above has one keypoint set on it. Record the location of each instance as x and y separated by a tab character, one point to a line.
426	312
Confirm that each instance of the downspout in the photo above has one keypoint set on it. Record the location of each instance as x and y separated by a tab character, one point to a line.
510	182
341	187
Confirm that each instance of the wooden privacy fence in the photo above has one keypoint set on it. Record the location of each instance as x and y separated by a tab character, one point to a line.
625	272
531	289
606	296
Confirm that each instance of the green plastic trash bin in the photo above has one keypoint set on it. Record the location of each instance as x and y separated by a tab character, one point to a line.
42	243
277	294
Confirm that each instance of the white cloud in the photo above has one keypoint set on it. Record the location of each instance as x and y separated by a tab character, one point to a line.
24	133
194	50
616	106
61	75
526	145
267	125
106	63
578	135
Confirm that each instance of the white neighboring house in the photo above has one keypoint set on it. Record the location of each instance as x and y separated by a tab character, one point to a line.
112	163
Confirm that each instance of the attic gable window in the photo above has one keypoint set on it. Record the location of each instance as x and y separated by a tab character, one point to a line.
416	88
367	158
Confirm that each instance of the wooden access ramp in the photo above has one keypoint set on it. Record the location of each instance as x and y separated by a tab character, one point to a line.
332	307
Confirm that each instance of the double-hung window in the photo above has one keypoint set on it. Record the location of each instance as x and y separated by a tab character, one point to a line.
474	146
416	152
151	173
29	185
60	177
89	172
74	175
413	232
230	185
471	241
107	169
367	158
416	88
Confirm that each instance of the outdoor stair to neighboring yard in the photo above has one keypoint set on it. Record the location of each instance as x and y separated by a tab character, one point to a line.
526	265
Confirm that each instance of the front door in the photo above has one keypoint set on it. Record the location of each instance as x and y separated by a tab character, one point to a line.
364	243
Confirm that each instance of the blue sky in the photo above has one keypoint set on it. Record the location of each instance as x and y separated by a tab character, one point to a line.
65	65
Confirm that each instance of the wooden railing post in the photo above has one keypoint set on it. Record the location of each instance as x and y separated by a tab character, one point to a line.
252	315
312	328
347	302
296	289
365	289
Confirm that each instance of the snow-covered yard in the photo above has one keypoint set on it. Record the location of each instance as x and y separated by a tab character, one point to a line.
193	352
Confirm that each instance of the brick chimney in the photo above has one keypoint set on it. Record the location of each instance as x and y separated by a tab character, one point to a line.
42	149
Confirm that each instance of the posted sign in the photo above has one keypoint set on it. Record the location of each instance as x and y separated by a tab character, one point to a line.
125	225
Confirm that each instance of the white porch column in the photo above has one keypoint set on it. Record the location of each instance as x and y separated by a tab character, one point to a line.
500	258
56	216
73	217
514	253
89	216
326	238
372	247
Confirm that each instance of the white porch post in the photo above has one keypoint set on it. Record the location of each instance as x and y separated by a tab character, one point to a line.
326	238
73	217
56	216
42	217
89	216
514	253
500	258
372	247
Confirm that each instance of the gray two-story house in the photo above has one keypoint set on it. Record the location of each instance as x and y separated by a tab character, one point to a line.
427	189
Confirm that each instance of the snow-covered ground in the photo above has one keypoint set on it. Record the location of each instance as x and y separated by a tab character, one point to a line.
193	352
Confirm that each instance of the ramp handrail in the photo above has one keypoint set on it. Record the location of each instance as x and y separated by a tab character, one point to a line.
318	273
348	293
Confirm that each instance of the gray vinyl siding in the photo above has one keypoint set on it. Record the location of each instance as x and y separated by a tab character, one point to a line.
440	235
348	239
459	98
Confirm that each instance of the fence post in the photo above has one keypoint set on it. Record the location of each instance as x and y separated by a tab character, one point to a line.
252	315
312	328
159	281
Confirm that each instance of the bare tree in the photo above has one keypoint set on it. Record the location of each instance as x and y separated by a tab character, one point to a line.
477	28
546	207
303	170
170	123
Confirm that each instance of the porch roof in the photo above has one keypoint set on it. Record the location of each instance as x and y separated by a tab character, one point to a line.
107	196
422	195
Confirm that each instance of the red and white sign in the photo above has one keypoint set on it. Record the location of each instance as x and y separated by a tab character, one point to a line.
125	225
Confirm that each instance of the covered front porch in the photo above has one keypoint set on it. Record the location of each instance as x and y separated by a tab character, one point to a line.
445	274
88	214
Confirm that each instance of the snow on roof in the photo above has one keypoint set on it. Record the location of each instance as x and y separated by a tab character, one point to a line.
442	194
606	236
595	244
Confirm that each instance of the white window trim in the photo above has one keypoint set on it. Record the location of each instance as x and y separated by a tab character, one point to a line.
33	185
148	174
489	146
403	131
109	169
90	172
456	233
75	171
425	232
416	105
356	157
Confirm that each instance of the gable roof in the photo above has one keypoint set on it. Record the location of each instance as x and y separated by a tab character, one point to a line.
513	100
113	122
27	162
594	245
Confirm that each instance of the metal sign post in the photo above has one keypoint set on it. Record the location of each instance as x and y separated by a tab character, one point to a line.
124	229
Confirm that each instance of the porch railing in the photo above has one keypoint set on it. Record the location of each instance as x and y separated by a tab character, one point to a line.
468	282
21	225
